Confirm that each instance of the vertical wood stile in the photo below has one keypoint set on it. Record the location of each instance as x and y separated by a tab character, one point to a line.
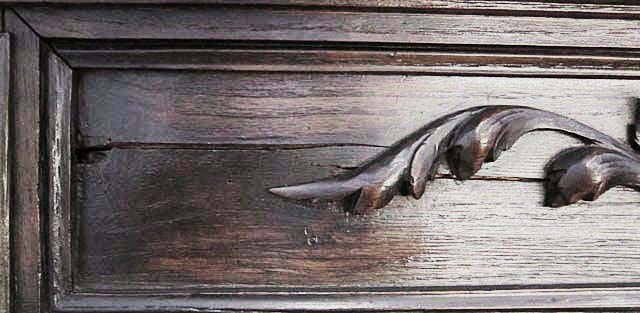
5	252
26	180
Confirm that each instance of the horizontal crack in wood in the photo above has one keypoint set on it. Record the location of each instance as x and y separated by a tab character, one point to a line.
199	146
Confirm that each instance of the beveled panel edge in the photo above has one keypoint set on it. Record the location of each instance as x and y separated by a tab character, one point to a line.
529	299
387	60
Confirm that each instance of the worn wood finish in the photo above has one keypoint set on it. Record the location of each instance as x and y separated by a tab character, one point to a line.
118	106
391	60
59	138
248	23
26	195
5	177
139	231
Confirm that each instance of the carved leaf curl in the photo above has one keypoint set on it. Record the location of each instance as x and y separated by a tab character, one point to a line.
464	139
585	173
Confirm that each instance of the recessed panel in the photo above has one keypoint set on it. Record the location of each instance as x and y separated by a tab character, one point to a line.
173	170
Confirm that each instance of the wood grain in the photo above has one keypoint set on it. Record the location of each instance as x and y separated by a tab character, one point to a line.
5	178
248	23
25	128
299	108
139	231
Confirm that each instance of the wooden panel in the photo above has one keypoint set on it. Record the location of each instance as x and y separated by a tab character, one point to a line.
25	213
290	108
138	229
247	23
5	177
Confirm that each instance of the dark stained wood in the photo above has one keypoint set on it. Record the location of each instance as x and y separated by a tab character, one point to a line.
465	140
25	127
139	231
249	23
5	177
201	107
58	103
327	60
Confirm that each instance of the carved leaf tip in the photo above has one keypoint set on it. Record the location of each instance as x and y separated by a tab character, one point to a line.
585	173
633	133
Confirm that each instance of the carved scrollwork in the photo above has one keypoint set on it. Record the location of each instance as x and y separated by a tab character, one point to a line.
465	140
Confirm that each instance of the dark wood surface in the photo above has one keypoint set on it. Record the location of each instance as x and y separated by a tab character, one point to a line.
26	249
139	230
5	177
248	23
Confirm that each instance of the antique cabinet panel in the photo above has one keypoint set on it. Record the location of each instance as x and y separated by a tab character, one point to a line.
147	137
158	142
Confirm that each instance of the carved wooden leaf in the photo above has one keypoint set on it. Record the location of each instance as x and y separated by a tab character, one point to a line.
464	139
